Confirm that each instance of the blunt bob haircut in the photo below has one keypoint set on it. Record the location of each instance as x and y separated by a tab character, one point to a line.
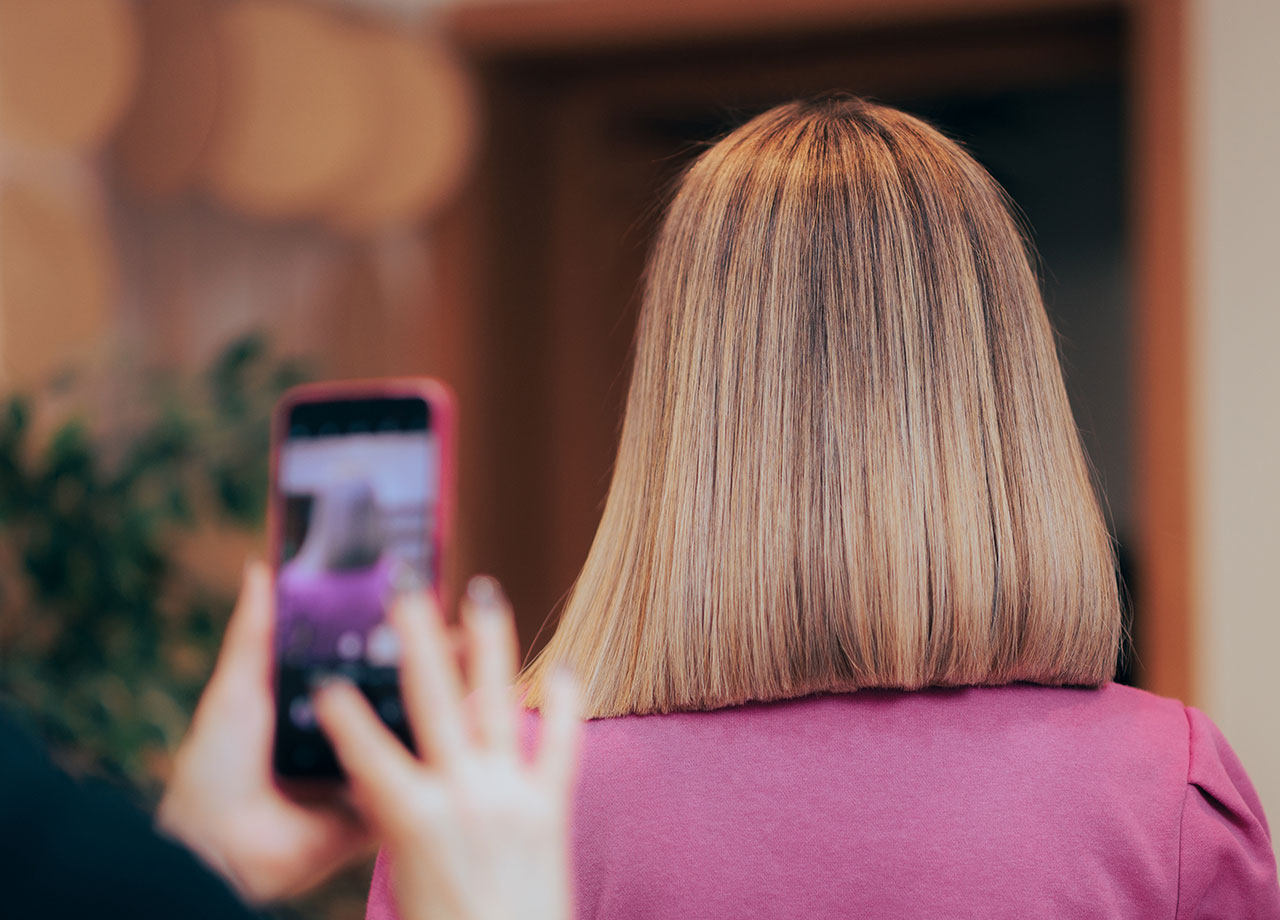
847	458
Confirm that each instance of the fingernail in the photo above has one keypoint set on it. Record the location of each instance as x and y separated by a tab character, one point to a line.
325	679
562	678
407	580
484	592
562	689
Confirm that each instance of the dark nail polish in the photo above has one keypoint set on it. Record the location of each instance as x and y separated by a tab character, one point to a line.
484	592
407	580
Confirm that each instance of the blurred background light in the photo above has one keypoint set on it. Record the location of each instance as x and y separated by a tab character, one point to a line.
67	70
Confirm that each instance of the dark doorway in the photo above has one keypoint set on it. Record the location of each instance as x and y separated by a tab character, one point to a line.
581	155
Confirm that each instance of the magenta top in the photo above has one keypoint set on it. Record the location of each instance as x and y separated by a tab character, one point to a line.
1008	802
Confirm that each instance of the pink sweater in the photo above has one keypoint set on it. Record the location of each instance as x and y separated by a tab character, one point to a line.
1012	802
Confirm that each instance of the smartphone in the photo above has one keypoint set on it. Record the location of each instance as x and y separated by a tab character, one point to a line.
361	494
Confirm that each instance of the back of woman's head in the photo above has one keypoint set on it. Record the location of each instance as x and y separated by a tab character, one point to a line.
848	459
348	529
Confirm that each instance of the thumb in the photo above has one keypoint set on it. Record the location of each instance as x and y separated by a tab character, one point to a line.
246	646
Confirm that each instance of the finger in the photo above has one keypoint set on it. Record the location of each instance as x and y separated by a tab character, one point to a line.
429	681
379	768
557	757
491	662
246	646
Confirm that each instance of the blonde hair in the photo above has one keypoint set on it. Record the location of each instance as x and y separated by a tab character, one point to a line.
847	458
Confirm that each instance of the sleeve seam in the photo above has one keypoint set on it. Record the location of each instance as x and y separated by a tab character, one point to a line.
1182	813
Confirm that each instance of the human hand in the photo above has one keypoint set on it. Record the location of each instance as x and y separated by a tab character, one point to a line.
474	831
222	800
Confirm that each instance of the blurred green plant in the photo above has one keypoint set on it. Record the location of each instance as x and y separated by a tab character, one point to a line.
106	637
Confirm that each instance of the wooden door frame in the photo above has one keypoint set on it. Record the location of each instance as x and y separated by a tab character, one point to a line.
1160	189
494	31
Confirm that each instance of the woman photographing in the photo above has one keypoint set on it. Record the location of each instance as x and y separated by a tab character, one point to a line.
845	638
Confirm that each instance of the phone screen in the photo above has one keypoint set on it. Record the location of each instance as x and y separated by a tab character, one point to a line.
358	500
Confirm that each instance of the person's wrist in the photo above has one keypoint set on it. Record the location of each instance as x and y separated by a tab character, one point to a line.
176	821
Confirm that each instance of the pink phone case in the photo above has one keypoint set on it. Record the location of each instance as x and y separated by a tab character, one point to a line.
443	423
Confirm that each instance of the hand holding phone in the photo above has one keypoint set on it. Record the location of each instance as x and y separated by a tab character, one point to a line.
477	822
222	800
